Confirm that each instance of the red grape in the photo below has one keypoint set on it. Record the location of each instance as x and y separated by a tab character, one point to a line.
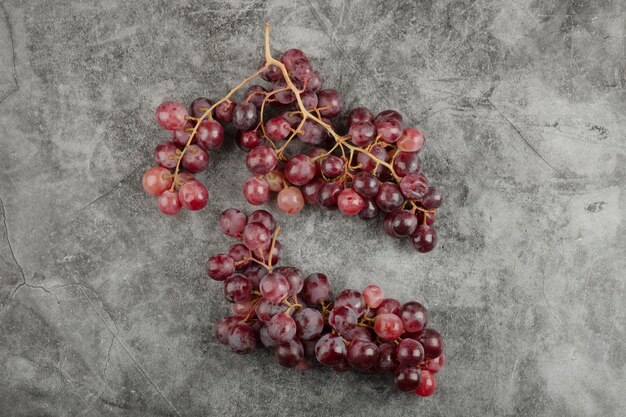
195	159
256	236
350	202
388	326
428	385
290	200
169	202
156	180
411	140
261	160
171	115
256	191
193	195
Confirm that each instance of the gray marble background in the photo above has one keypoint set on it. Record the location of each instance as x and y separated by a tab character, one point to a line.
104	309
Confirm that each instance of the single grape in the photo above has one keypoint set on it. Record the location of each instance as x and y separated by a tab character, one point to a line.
329	102
290	200
256	191
330	350
432	342
358	115
309	100
331	166
232	222
414	186
362	355
389	306
242	310
274	288
343	319
309	324
237	288
435	365
387	115
352	299
283	95
156	180
362	133
281	328
210	134
181	137
265	339
373	296
293	276
265	310
195	159
245	116
224	111
389	197
255	94
264	217
329	194
256	236
289	354
311	191
387	361
433	198
277	128
428	385
301	69
424	238
412	140
271	73
370	211
275	180
171	115
242	338
311	133
240	254
261	160
166	155
169	202
300	170
193	195
255	273
350	202
402	223
406	163
414	316
407	378
365	184
389	130
388	326
290	56
200	106
410	352
220	266
316	289
315	81
223	327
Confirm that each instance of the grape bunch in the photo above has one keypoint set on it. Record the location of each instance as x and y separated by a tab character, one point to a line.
172	181
296	316
374	167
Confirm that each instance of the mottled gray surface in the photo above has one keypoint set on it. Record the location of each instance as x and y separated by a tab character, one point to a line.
104	307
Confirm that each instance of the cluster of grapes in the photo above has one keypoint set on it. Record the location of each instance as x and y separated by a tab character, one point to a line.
374	167
296	316
188	149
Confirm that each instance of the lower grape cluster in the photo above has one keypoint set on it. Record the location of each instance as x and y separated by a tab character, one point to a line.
297	317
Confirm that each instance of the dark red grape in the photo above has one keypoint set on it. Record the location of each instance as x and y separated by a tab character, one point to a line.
329	194
410	352
330	102
316	289
237	288
300	170
200	106
256	236
261	160
290	56
362	133
433	198
362	355
210	134
166	155
359	114
432	342
245	116
195	159
224	111
309	323
407	378
414	186
255	95
223	327
370	211
406	163
330	350
424	238
242	338
171	115
289	354
277	128
193	195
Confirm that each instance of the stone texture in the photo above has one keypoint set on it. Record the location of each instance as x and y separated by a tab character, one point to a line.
104	309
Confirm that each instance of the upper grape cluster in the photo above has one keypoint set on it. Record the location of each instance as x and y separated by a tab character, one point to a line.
297	317
374	167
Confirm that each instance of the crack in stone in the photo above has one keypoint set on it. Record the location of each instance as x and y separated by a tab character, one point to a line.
10	28
108	192
522	136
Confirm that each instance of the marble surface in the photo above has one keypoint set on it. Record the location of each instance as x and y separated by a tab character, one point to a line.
104	309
